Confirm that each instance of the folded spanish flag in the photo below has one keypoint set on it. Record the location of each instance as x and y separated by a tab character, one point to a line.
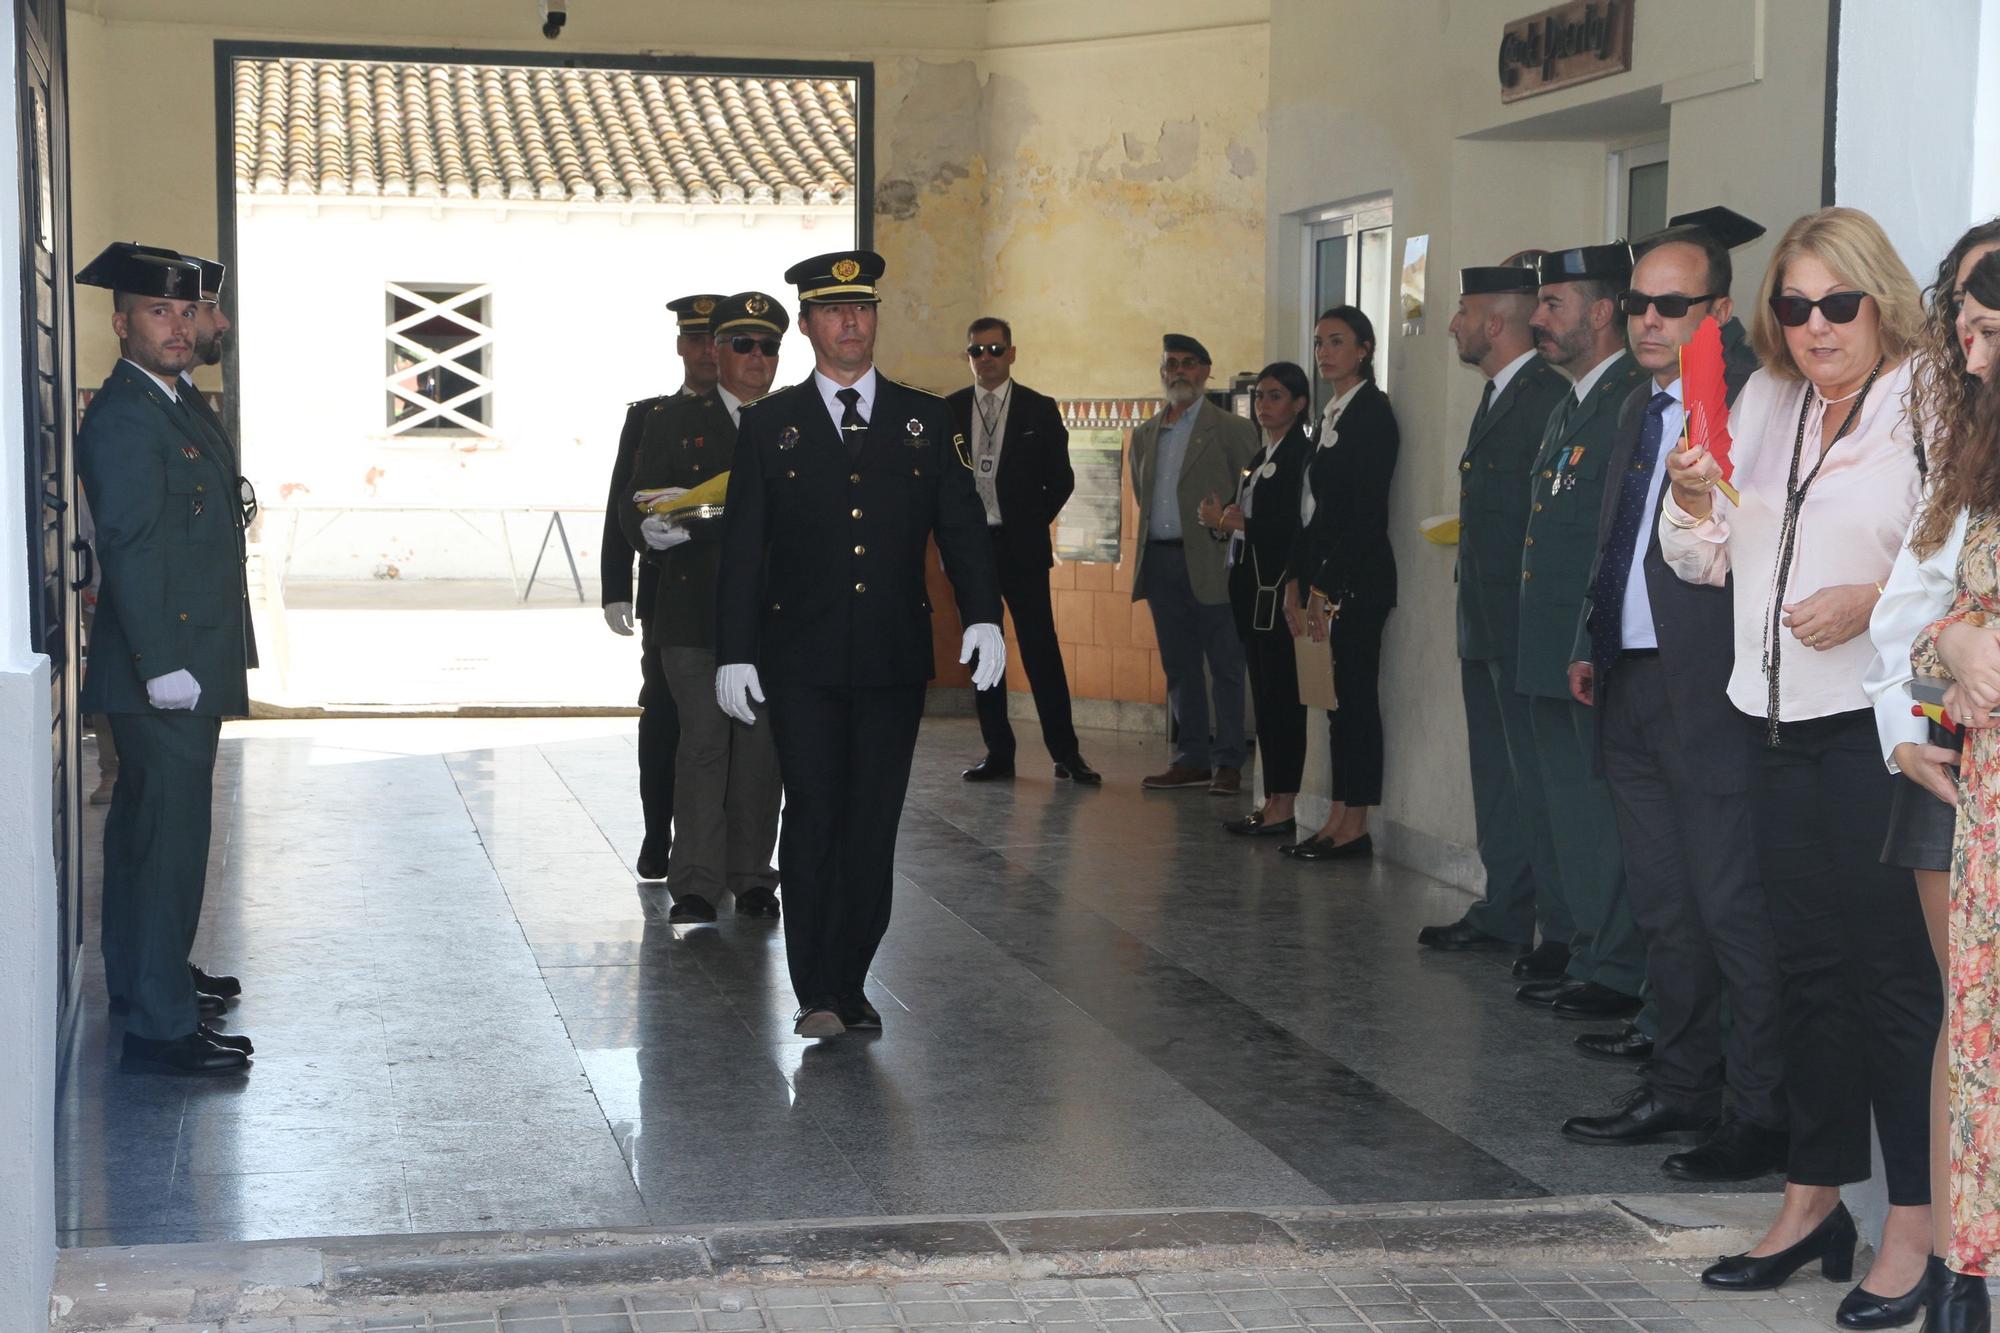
711	492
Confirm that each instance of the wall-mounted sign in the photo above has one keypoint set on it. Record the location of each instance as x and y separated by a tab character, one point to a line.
1100	430
1565	46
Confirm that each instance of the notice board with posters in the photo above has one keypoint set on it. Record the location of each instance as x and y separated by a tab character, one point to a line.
1100	430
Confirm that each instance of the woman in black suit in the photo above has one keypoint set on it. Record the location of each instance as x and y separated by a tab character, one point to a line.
1344	571
1263	526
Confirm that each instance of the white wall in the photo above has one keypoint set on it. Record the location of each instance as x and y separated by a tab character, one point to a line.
581	329
1909	160
27	868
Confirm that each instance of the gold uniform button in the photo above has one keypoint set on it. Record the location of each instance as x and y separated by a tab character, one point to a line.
854	513
854	477
1538	506
184	615
789	474
1547	473
1527	574
774	606
1465	467
861	550
199	488
861	587
1531	541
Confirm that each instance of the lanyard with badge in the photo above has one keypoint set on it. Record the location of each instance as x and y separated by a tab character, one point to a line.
989	438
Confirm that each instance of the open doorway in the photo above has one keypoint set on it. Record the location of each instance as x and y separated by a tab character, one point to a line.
449	279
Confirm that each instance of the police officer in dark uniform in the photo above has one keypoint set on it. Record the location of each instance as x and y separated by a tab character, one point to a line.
726	774
837	487
170	653
659	723
1580	330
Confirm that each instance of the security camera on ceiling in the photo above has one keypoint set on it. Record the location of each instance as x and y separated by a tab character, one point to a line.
555	13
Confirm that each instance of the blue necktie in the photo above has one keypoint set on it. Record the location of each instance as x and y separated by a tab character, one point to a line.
1607	598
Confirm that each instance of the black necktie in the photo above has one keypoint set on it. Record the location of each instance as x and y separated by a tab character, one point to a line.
1485	402
851	424
1607	602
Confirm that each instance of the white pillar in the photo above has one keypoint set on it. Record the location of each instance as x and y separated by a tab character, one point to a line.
27	865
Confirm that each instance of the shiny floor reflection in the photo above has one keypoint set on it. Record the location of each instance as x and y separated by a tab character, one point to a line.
470	1017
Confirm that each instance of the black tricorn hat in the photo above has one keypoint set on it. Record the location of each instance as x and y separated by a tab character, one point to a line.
1606	263
143	270
842	277
1491	279
749	313
212	273
1180	342
1724	224
694	312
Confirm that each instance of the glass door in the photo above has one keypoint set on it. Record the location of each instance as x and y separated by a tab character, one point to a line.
1348	261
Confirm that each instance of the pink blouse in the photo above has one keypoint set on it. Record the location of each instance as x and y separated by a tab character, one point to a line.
1849	531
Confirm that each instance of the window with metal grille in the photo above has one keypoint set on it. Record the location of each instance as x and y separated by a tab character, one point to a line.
439	350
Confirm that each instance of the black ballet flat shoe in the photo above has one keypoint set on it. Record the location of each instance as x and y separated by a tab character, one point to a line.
1254	825
1958	1303
1864	1309
1831	1242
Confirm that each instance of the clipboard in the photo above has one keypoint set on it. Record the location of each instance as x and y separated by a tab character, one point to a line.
1315	663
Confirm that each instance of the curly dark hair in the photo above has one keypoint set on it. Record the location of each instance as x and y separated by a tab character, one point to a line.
1941	395
1965	458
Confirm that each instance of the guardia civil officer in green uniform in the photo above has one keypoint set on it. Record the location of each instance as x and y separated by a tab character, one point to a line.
837	487
725	773
1491	331
1580	330
659	722
171	651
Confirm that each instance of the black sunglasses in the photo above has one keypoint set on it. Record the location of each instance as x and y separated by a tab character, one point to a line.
1838	307
1671	305
977	350
742	344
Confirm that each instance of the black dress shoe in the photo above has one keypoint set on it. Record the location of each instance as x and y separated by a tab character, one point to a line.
652	866
210	1006
1739	1150
1629	1047
1546	992
1545	962
1326	849
1831	1242
1958	1303
1640	1118
1460	935
990	769
227	987
754	902
224	1040
1254	825
690	908
1309	848
1592	1001
1861	1308
1073	769
192	1056
859	1015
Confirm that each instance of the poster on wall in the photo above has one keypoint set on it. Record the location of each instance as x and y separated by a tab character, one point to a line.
1090	526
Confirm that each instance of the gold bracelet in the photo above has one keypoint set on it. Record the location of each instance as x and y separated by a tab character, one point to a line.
1878	590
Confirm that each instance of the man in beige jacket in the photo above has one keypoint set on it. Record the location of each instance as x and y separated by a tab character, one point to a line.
1191	450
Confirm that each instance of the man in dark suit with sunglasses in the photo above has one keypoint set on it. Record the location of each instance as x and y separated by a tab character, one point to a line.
1020	460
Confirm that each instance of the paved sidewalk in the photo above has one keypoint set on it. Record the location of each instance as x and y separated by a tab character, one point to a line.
1640	1297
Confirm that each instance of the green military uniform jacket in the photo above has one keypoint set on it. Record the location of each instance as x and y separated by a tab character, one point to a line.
1571	473
163	491
1493	500
684	440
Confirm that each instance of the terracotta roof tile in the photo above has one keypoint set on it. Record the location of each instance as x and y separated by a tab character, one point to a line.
335	127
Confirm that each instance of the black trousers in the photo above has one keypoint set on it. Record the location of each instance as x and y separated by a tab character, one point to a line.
1692	883
844	757
659	738
1861	999
1025	587
1355	728
156	838
1281	718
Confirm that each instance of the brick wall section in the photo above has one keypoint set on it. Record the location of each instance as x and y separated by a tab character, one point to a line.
1107	638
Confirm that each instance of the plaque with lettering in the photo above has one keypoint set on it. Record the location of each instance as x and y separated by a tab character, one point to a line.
1562	47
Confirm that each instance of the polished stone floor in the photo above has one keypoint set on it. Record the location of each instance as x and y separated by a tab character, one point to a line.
469	1017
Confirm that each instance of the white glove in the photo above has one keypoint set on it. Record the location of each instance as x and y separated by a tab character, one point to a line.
618	615
735	686
177	691
647	499
991	645
662	535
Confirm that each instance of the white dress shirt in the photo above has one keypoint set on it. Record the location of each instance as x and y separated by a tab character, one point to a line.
865	385
1589	381
1917	594
986	448
735	406
1853	522
168	385
1328	437
1506	374
1635	620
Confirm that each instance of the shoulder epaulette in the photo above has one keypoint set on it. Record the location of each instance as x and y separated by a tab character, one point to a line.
926	393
